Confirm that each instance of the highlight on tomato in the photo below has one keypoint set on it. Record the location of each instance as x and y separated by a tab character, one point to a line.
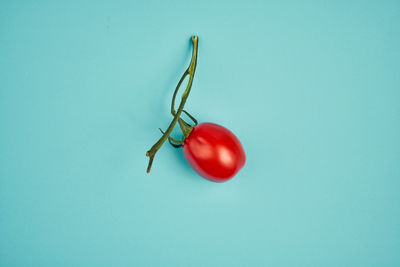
212	150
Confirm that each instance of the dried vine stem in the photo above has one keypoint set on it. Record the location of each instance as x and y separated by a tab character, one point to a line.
189	71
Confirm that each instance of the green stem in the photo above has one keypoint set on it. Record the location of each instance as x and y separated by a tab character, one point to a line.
189	71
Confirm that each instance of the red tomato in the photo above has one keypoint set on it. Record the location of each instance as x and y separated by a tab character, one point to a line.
214	152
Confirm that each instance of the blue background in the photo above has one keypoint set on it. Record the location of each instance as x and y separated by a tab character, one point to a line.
311	88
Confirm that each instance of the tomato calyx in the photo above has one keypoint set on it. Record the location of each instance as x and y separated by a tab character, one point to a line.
185	127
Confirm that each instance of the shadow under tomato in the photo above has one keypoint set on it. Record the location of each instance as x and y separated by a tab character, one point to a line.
184	165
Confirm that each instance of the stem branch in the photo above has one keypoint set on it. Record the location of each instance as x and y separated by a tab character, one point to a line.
189	71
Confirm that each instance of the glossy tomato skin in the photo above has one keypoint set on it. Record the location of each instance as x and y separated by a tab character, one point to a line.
214	152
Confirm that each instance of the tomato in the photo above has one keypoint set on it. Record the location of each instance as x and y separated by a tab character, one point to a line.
214	152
